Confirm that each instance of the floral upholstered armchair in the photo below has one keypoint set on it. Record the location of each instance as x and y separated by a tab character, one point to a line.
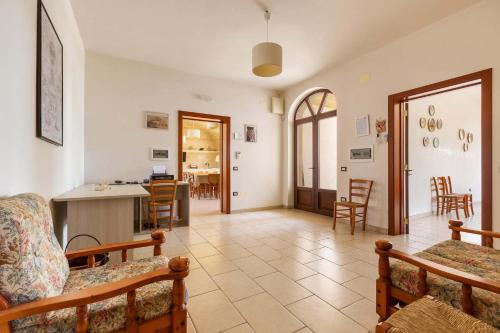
39	293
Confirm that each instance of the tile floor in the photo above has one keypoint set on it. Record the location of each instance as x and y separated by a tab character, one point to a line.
284	271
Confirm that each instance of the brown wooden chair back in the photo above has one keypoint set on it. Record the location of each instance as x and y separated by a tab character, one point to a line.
213	178
360	190
163	190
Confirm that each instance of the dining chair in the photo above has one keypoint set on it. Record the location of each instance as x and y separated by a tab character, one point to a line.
163	193
439	188
468	196
202	185
213	184
357	206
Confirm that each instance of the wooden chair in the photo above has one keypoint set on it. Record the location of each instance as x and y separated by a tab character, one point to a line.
162	200
356	207
213	184
439	189
468	196
202	185
412	272
42	295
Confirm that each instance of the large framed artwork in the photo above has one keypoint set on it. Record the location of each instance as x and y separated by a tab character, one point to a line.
49	85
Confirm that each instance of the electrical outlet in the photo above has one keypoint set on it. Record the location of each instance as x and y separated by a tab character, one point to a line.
343	199
235	168
343	168
235	194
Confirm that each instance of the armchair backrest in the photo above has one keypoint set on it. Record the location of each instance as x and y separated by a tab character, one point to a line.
32	263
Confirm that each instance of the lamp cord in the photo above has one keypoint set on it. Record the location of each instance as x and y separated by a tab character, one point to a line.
267	16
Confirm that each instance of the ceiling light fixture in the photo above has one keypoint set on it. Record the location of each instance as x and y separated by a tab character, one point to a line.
267	57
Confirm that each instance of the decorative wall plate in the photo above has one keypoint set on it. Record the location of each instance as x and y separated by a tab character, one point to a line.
435	142
431	125
466	146
470	137
432	110
426	141
461	134
439	124
423	122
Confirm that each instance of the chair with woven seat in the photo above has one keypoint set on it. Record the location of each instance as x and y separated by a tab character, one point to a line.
465	198
39	292
357	206
163	195
213	184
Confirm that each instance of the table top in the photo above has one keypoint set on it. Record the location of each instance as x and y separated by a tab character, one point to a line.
87	192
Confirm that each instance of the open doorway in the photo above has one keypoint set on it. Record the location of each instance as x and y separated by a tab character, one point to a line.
440	156
204	161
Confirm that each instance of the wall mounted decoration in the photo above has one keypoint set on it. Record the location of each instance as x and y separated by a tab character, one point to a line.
470	137
158	154
156	120
461	134
432	110
423	122
439	124
250	133
362	154
49	81
425	141
431	125
363	125
435	142
465	146
381	129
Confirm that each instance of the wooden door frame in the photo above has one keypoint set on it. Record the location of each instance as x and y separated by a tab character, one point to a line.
314	120
396	151
225	162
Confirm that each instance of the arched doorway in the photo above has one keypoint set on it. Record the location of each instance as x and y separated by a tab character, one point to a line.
315	152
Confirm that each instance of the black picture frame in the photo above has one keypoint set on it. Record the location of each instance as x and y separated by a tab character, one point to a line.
41	87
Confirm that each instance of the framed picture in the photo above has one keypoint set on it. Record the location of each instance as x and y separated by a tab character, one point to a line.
156	120
250	133
49	80
361	154
363	126
158	154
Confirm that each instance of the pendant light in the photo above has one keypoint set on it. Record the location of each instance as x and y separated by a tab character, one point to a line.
267	57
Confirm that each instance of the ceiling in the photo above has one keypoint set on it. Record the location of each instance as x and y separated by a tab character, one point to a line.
215	37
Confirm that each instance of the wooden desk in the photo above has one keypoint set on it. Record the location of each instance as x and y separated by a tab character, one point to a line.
182	206
107	215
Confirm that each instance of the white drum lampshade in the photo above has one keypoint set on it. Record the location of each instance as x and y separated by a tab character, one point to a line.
267	59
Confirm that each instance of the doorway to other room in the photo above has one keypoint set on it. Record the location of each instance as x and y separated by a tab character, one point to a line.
204	161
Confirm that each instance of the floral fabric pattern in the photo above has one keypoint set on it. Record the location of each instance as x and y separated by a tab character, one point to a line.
474	259
32	263
152	300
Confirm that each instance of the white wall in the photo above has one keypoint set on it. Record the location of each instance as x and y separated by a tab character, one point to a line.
457	45
458	109
117	144
28	164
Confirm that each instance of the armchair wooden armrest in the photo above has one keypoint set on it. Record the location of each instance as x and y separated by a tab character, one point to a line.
456	228
386	293
157	238
177	270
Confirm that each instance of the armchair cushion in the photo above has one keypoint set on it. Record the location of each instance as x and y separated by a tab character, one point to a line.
32	263
152	300
478	260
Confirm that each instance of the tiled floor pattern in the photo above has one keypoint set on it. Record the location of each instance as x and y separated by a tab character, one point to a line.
284	271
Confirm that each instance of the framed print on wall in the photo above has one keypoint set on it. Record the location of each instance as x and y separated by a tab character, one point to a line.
49	80
363	126
156	120
250	133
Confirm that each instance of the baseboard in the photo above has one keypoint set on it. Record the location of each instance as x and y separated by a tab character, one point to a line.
247	210
372	228
417	216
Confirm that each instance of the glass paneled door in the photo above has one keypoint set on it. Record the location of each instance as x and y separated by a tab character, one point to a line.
315	133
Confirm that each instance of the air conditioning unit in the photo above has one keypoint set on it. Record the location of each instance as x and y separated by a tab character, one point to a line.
278	105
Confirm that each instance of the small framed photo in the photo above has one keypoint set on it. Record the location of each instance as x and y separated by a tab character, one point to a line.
156	120
361	154
363	126
158	154
250	133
